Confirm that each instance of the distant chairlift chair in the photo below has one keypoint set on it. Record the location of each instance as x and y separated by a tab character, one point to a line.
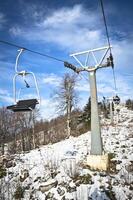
26	104
116	99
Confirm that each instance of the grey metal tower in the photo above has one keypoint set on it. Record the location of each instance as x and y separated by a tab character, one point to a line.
96	140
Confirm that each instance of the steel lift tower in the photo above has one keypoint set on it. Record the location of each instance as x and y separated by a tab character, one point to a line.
96	140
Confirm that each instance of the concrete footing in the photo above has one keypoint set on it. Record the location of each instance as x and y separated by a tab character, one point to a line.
98	162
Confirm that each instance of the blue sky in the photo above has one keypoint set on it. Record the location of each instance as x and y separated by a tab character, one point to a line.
60	28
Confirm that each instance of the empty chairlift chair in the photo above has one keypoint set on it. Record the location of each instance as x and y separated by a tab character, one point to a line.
116	99
24	105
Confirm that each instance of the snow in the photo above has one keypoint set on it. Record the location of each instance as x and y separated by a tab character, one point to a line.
63	161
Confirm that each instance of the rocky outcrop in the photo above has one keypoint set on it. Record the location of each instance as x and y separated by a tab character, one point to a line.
24	175
48	185
7	161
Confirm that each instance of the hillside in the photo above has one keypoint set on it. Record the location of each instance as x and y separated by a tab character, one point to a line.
59	172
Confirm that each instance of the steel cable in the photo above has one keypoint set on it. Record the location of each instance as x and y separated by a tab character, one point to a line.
108	40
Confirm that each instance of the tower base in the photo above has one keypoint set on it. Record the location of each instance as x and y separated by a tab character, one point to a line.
98	162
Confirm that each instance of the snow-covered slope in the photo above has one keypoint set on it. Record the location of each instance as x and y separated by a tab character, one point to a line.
58	171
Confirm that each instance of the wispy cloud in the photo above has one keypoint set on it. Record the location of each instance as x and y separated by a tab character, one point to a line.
50	79
2	20
16	30
2	91
5	97
71	28
48	108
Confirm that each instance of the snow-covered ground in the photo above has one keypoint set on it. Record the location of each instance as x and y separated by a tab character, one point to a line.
58	171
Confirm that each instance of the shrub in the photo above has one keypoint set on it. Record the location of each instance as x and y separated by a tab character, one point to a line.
2	172
19	193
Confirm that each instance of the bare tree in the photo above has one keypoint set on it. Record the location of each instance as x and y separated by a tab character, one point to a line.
67	98
18	129
13	133
27	129
35	114
5	126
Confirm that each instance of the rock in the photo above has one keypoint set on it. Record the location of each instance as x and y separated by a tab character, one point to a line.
110	194
123	146
131	186
64	184
7	161
119	162
50	195
10	163
102	174
24	175
112	168
60	191
91	182
118	167
48	185
115	183
129	168
10	173
84	179
53	173
117	142
71	189
37	179
64	198
124	157
123	150
77	183
27	187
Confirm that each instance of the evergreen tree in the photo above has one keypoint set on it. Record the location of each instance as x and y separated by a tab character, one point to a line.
129	104
85	117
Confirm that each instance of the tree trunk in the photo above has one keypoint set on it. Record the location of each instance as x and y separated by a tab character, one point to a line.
22	142
3	144
33	136
68	118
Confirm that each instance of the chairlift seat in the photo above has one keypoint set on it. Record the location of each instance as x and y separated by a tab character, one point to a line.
24	105
116	99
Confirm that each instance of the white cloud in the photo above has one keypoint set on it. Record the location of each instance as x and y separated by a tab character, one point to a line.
3	91
2	20
47	108
75	29
83	88
64	15
15	30
71	28
105	83
51	79
67	18
6	99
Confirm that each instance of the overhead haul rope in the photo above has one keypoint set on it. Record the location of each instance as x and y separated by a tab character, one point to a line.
108	40
32	51
39	53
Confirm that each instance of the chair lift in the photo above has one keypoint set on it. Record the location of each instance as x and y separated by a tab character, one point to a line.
116	99
26	104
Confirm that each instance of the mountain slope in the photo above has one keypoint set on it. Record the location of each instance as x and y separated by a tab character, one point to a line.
59	172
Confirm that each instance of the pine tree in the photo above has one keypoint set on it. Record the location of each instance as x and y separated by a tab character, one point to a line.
85	117
129	104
